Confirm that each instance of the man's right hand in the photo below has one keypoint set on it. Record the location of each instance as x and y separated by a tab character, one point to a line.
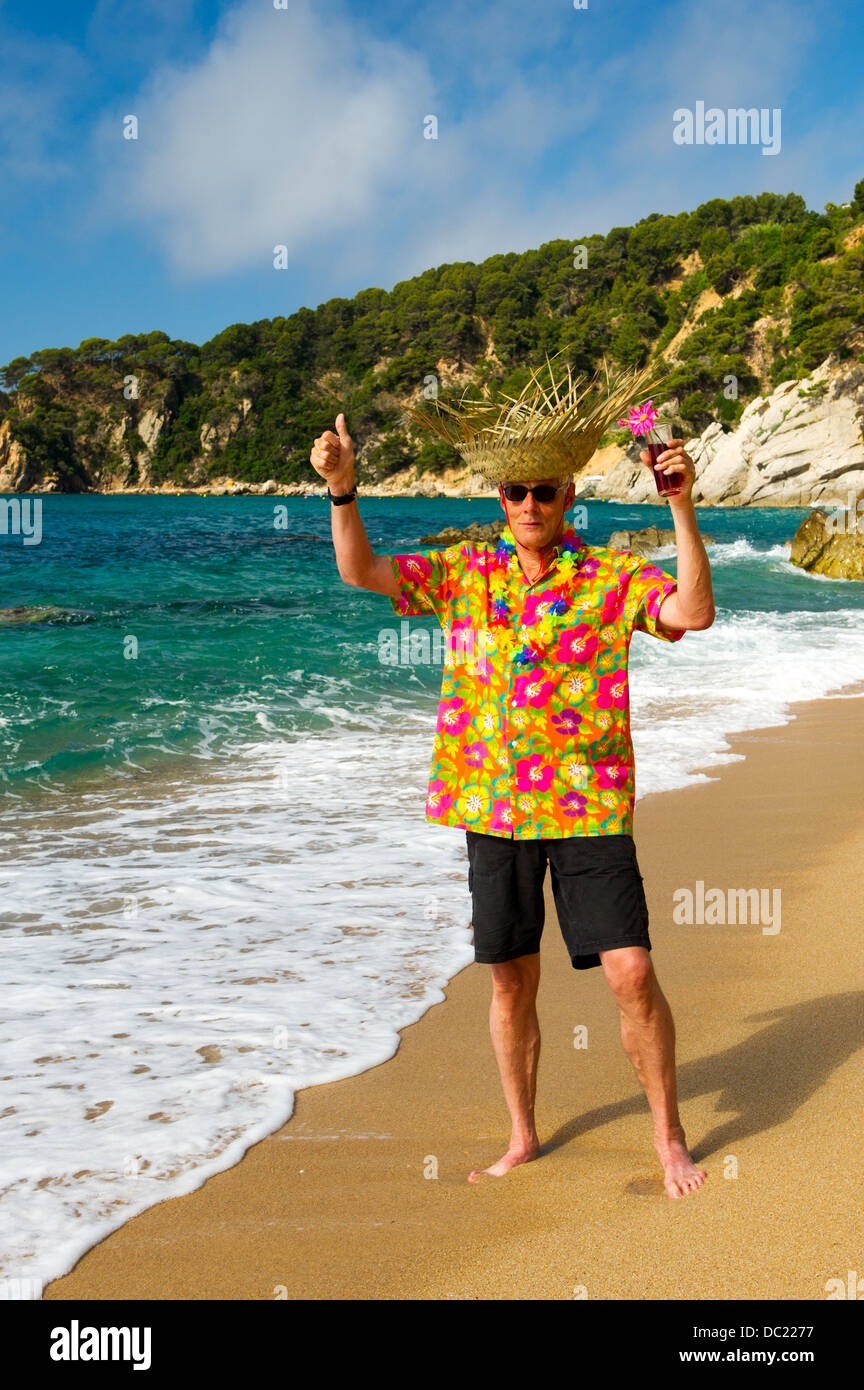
333	457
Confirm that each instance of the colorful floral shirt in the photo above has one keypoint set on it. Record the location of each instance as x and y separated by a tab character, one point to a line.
533	736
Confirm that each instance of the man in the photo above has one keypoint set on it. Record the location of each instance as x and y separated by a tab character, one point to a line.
533	756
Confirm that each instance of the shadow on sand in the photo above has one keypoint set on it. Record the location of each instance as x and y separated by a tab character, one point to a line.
763	1080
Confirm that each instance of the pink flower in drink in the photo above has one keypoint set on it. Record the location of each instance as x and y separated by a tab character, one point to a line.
577	644
532	689
438	799
612	691
452	716
641	418
533	775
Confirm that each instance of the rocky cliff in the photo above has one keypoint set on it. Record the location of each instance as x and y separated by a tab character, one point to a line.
799	446
802	444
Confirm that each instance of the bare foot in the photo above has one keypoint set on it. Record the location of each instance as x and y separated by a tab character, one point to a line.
680	1174
517	1153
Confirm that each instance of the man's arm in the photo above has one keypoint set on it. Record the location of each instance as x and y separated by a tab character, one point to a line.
692	605
333	457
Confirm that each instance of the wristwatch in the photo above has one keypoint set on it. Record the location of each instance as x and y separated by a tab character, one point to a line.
342	498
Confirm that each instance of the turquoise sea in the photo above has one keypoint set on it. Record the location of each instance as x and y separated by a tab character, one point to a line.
240	626
217	881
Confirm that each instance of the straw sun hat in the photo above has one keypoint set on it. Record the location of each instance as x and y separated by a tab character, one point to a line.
543	432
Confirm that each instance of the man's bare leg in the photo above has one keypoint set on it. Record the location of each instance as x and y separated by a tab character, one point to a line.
516	1039
648	1035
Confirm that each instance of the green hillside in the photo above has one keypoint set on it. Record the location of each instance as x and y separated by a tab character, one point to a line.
763	287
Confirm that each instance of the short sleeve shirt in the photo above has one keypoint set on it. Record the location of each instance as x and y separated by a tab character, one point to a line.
533	733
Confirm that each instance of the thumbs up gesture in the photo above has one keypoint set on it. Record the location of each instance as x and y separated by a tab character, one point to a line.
333	457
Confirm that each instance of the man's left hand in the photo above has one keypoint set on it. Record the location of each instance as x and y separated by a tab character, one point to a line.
675	460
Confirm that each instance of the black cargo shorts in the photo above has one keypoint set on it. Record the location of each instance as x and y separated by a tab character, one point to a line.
596	884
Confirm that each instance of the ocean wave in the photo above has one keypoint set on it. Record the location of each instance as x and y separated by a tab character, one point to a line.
722	553
178	965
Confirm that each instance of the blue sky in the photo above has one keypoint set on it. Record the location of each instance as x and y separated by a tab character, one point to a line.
303	127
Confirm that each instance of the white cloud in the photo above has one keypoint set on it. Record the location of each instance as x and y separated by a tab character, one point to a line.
286	132
298	127
299	131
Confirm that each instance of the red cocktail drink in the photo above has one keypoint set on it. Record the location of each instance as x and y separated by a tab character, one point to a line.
656	441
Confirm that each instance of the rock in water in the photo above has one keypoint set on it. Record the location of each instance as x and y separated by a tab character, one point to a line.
455	535
642	543
829	545
47	613
645	542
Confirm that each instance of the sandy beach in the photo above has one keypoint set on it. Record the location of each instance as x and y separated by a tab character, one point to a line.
363	1193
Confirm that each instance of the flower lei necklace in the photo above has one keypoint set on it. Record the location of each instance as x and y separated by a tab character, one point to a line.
538	636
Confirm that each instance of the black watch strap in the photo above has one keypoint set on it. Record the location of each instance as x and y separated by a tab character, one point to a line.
339	501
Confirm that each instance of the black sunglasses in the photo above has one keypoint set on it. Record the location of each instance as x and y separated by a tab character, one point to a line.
544	492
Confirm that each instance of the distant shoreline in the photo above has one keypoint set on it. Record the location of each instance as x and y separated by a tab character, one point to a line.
375	490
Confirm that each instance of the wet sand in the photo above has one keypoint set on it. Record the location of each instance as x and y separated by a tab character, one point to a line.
344	1201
